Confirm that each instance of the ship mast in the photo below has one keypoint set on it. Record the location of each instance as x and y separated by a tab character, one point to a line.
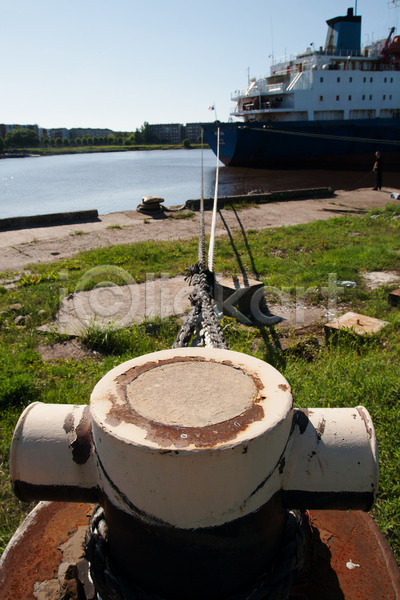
355	8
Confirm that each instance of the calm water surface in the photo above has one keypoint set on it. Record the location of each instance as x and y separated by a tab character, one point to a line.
117	181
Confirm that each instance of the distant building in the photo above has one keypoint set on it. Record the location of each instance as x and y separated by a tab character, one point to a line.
175	133
59	132
193	131
80	132
169	133
162	133
4	129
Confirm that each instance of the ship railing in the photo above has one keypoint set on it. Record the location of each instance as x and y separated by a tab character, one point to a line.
276	88
283	104
258	90
282	61
279	105
255	91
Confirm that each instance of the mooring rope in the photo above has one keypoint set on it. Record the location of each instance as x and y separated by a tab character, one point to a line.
214	214
275	584
202	244
202	320
270	130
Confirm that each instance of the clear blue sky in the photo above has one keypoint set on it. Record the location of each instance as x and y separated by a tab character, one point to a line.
118	63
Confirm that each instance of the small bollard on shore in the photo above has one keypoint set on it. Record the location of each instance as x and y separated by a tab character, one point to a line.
199	462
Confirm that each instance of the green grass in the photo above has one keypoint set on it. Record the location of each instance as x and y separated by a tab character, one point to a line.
114	227
53	151
181	214
302	260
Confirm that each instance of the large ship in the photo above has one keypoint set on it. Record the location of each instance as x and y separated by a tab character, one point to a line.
334	106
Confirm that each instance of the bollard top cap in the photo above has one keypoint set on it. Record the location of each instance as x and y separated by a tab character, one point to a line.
193	393
191	398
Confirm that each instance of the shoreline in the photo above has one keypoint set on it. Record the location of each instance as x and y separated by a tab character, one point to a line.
84	216
38	244
57	151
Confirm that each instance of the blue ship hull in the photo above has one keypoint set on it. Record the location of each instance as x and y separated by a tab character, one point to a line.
330	144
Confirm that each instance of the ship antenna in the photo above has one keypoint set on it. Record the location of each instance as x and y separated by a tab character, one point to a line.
355	8
272	41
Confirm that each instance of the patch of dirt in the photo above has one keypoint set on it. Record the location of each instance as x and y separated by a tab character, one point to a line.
298	316
312	334
65	350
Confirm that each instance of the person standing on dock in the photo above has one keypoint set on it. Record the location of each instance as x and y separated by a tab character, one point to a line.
377	168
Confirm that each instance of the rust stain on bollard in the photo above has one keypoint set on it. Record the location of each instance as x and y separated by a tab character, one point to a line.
362	414
82	444
182	436
35	556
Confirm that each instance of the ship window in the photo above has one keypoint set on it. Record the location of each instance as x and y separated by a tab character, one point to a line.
391	80
363	97
370	96
337	98
384	97
364	79
321	79
350	79
390	97
338	79
385	80
349	97
321	98
371	79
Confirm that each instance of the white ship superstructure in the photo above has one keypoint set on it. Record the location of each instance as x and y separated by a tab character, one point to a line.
331	106
338	82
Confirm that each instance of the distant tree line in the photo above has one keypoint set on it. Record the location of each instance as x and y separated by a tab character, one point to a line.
21	138
26	138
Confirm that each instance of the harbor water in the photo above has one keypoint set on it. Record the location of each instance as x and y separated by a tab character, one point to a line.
111	182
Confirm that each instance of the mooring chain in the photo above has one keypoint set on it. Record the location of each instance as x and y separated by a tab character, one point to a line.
275	584
201	320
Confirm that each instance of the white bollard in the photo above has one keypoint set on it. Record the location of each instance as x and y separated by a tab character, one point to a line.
195	455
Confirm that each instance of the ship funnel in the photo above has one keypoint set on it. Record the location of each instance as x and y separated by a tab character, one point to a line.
344	35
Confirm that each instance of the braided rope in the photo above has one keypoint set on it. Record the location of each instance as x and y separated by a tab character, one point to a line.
277	581
201	320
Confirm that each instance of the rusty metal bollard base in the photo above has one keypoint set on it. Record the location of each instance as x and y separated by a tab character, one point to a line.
274	584
348	557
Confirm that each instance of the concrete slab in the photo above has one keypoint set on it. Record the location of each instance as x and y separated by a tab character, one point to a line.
376	279
122	305
359	324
